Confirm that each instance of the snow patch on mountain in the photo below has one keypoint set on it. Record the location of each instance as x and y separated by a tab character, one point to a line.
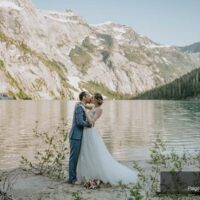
152	46
74	80
103	24
9	5
119	31
68	13
3	86
61	20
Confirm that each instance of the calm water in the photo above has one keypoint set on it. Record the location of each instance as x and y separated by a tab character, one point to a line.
127	127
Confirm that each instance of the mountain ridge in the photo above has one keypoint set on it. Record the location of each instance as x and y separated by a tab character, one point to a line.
192	48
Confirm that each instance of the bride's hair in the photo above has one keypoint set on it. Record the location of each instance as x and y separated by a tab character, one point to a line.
99	98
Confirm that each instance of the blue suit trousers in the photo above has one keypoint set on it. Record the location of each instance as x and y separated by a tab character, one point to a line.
75	147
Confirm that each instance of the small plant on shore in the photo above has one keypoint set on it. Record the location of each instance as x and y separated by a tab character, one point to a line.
196	160
135	192
77	195
7	180
50	161
147	186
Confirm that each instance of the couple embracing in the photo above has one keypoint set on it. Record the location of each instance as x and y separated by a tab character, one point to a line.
89	157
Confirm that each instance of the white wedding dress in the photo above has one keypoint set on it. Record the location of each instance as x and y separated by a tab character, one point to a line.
95	161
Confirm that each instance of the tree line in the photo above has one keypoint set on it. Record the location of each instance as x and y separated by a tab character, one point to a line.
188	86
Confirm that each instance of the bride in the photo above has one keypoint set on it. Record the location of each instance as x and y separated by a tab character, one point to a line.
95	161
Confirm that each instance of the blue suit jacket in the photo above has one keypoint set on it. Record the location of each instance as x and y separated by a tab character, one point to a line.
78	123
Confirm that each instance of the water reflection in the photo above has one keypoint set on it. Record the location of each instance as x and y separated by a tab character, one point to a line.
127	127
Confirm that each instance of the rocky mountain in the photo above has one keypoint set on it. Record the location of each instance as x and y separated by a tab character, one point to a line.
53	55
193	48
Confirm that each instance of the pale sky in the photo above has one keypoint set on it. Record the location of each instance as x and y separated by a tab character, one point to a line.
173	22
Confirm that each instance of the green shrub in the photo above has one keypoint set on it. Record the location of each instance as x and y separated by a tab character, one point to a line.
22	95
133	56
105	55
77	195
80	58
50	161
88	45
6	39
148	185
108	40
2	66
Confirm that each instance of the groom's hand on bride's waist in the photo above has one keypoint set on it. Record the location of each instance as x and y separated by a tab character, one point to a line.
91	123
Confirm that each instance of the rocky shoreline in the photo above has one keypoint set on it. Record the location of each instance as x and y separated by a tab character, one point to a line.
25	185
20	184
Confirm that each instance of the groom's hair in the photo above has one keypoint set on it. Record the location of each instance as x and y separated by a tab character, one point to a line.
81	95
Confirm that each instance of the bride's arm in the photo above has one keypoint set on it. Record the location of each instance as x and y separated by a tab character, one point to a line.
97	114
89	119
89	106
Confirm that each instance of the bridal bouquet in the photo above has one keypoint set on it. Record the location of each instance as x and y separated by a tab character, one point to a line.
92	184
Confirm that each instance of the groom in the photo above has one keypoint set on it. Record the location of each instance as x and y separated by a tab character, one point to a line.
75	136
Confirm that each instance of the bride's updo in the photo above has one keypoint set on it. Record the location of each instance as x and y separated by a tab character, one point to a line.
98	97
